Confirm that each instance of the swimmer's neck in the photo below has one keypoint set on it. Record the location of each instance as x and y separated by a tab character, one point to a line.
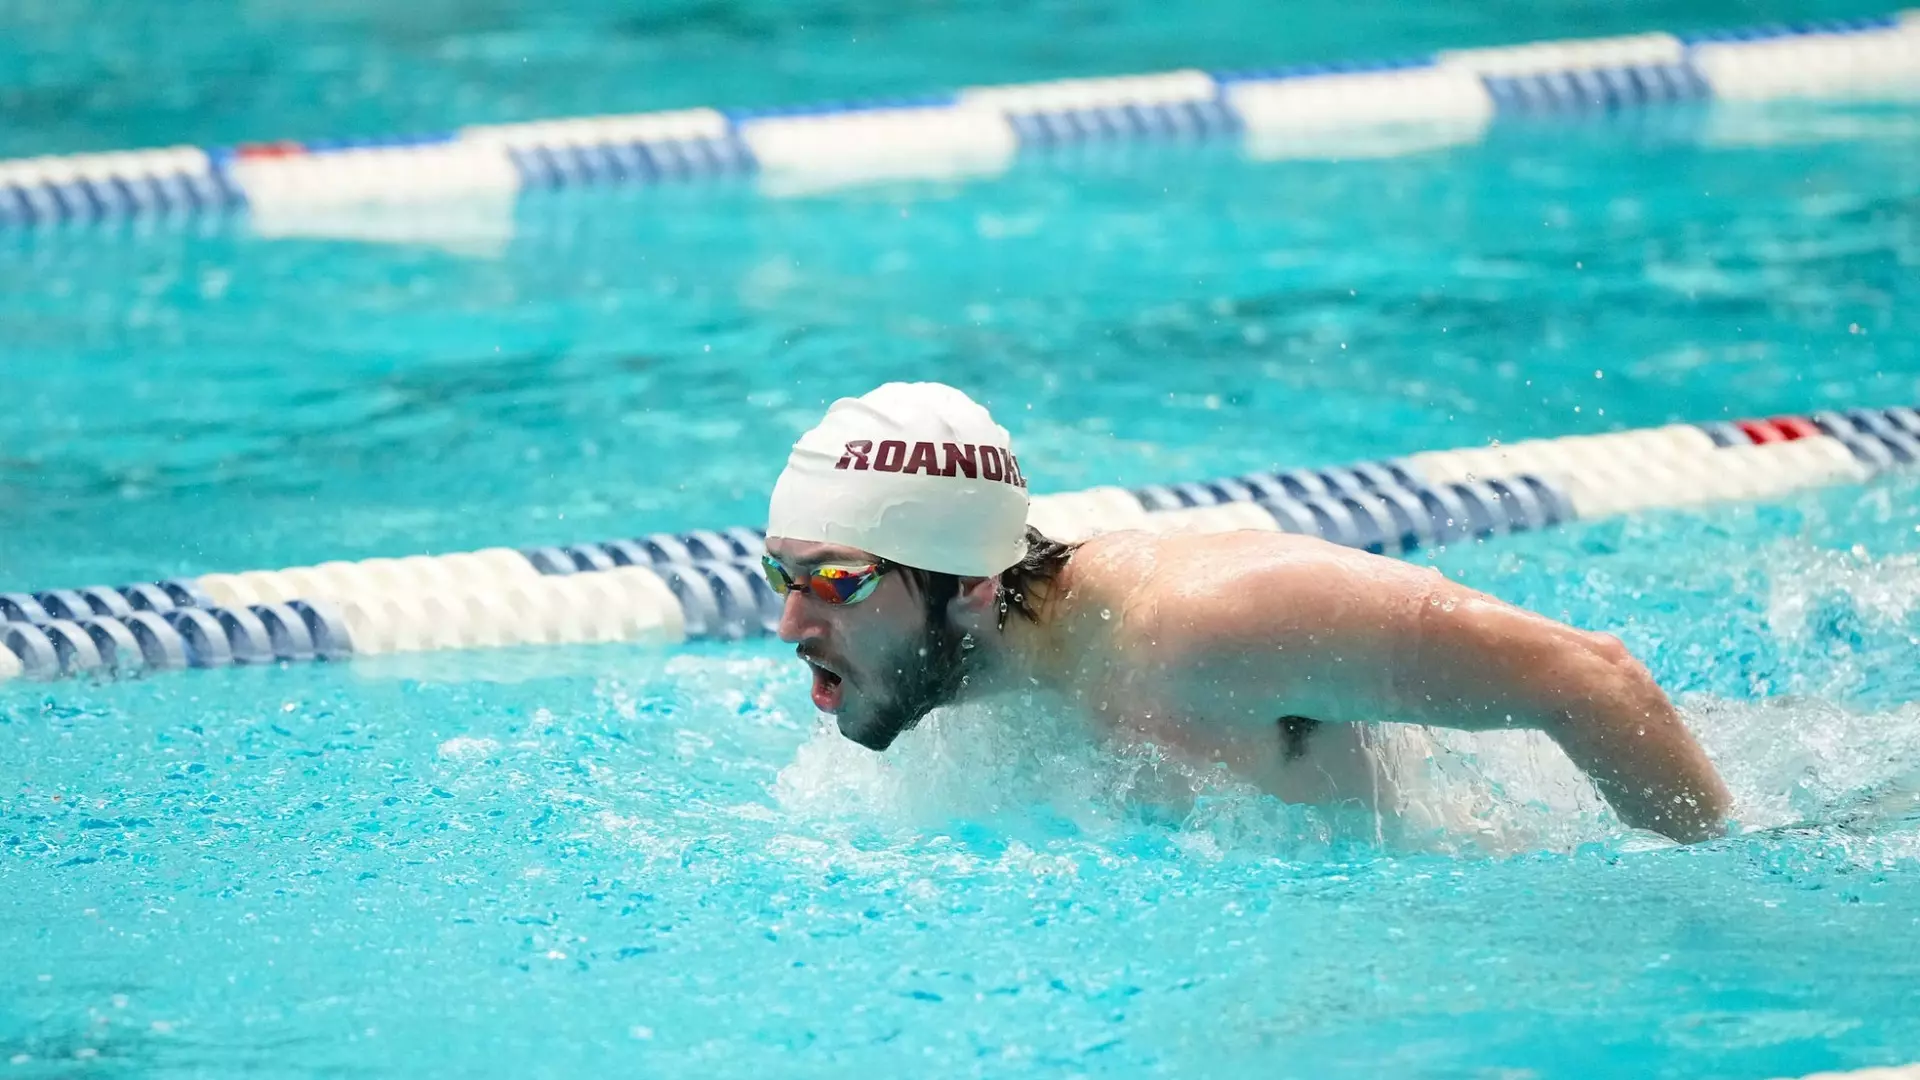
1018	656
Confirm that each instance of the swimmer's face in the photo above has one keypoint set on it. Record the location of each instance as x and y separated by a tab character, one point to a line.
878	665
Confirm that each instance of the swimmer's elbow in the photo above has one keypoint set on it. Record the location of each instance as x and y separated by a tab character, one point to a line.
1610	651
1615	666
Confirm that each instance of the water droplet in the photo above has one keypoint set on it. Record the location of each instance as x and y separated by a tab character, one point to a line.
1105	614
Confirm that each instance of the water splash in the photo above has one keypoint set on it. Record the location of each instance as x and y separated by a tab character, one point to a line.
1885	592
995	762
1032	771
1794	761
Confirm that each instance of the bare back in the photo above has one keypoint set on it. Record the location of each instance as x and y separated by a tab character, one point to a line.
1105	632
1271	654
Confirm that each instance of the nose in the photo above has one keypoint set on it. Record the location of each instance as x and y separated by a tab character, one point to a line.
798	620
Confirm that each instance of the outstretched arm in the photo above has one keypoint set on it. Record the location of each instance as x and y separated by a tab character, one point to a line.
1344	636
1480	663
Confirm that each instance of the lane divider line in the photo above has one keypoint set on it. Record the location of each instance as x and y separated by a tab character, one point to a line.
706	584
1447	97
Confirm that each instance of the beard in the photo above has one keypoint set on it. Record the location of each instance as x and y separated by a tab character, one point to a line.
927	674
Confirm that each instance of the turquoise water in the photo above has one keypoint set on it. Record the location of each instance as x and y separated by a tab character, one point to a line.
109	74
581	861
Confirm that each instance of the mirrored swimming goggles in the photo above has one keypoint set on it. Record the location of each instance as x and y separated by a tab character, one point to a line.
836	583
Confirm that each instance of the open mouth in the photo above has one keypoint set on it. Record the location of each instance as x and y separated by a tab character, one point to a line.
826	686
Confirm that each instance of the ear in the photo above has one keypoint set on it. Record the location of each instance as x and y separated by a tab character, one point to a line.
972	608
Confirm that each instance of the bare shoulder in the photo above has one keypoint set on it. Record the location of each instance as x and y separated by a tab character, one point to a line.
1174	586
1139	553
1103	575
1232	561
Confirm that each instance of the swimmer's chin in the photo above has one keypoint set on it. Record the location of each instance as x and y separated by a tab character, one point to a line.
875	737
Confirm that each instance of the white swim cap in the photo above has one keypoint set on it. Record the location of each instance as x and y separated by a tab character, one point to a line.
916	473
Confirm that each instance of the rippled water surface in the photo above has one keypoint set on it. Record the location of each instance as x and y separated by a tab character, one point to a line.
582	861
108	74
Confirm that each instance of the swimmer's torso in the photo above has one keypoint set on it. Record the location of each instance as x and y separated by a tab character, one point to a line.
1103	655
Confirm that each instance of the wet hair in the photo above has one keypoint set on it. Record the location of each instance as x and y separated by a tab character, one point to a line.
1036	570
1022	585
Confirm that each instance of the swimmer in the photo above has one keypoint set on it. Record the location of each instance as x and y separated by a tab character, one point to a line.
898	536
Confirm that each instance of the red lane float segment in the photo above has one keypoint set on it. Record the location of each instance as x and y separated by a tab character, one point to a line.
282	149
1778	429
1796	427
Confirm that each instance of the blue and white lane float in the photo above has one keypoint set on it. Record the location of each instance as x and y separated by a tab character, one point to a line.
668	588
978	130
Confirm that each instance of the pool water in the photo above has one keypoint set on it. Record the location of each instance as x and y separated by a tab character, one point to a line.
81	75
579	861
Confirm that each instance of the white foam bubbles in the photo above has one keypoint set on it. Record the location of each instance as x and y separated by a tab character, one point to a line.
1808	760
467	748
1493	792
981	762
1028	766
1885	592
